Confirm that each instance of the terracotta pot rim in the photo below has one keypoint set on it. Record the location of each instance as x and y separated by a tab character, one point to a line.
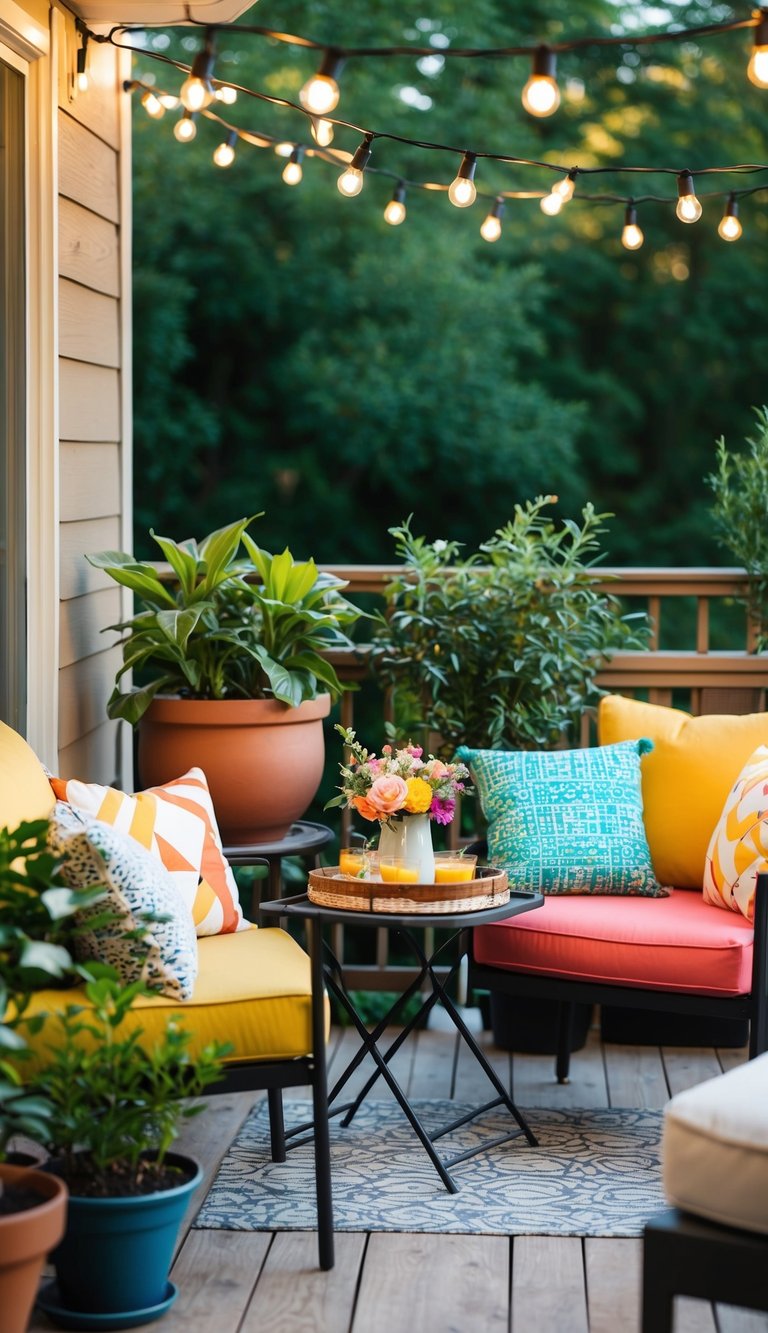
171	709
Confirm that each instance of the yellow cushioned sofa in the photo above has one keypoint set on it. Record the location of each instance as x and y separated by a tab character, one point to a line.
254	989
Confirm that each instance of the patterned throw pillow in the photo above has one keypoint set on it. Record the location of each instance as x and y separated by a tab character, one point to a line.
566	821
175	822
137	884
738	847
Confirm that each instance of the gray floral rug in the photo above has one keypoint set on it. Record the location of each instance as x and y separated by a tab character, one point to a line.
594	1173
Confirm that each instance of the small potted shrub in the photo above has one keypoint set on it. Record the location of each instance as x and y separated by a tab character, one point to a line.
231	672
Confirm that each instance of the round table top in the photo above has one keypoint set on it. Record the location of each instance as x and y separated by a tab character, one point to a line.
302	837
300	906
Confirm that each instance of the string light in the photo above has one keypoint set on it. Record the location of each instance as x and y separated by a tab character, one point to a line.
688	206
292	171
322	131
224	155
551	204
541	95
730	228
227	94
757	69
462	191
350	181
168	101
81	72
152	105
566	187
320	94
631	237
394	213
185	128
491	227
197	90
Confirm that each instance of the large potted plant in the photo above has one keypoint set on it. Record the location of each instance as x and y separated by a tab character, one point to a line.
231	673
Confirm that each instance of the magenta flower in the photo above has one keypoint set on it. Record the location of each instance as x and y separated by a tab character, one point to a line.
442	809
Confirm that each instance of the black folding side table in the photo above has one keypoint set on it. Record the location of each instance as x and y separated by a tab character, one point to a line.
327	971
304	838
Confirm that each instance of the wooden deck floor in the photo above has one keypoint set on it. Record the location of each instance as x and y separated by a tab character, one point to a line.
246	1282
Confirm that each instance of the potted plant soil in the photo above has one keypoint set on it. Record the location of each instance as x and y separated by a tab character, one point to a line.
231	673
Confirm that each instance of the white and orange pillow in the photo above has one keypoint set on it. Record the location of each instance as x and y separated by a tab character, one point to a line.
176	822
738	848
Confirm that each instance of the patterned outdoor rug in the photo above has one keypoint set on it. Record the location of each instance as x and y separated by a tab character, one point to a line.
595	1173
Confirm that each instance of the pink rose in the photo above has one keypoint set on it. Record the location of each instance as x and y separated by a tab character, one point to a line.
388	794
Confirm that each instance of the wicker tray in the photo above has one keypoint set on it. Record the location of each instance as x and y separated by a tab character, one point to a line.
328	888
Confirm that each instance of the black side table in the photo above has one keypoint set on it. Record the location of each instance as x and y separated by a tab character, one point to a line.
304	839
330	972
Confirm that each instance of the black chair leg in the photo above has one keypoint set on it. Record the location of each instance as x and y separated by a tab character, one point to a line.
658	1305
564	1040
276	1124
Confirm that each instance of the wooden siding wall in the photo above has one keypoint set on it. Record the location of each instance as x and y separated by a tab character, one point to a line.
91	362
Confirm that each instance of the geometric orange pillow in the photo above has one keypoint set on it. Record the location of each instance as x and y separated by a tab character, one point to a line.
177	823
738	847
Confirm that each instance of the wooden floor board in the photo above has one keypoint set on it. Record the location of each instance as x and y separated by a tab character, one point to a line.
548	1287
687	1066
636	1076
292	1294
534	1082
730	1319
434	1284
614	1276
215	1272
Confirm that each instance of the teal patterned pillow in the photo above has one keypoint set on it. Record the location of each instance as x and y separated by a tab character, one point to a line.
567	821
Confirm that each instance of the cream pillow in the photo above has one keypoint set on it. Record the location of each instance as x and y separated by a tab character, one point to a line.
738	847
686	778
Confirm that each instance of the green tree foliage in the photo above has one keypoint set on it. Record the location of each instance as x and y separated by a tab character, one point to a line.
295	354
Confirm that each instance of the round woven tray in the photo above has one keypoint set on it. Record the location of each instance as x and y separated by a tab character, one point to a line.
328	888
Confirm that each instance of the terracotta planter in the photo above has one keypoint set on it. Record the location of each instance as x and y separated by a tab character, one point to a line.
25	1240
263	760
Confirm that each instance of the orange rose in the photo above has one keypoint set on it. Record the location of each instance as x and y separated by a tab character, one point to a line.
364	807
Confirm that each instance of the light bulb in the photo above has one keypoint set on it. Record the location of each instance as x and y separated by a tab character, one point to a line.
462	191
394	213
757	69
292	171
631	237
730	227
169	101
551	204
226	94
541	95
320	94
350	182
152	105
565	187
283	149
197	90
491	226
224	155
322	131
688	207
81	74
185	128
82	81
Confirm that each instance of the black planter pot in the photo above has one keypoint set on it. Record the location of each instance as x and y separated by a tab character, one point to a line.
521	1024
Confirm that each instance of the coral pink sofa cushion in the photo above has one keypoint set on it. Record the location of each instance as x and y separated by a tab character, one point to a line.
678	943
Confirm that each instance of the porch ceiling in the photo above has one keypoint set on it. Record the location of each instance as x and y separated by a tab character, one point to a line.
160	11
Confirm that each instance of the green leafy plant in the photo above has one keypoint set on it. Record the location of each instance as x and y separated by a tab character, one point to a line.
234	622
117	1102
740	511
501	648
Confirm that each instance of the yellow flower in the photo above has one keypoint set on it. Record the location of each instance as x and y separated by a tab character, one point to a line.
419	797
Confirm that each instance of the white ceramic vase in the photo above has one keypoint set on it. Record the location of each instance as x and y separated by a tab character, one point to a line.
410	836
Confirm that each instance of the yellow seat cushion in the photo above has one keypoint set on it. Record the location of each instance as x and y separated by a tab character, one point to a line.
686	777
253	989
25	792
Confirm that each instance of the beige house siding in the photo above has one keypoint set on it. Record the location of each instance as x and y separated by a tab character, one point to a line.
94	416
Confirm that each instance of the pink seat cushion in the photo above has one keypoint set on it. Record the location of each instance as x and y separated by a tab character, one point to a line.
679	943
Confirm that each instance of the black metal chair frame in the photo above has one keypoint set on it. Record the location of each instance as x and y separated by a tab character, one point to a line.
688	1256
753	1007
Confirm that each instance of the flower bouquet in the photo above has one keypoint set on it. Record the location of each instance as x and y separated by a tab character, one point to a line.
398	782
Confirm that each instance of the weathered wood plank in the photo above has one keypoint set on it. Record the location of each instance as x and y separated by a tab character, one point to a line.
207	1136
614	1277
730	1057
87	169
687	1066
294	1294
694	1316
88	325
433	1283
432	1071
548	1289
635	1076
534	1082
78	577
89	481
215	1272
88	248
89	402
733	1320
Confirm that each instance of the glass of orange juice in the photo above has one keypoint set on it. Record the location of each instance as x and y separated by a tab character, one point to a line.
352	862
454	867
398	870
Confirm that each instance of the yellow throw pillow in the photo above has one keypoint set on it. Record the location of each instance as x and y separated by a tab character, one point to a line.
25	792
738	847
686	778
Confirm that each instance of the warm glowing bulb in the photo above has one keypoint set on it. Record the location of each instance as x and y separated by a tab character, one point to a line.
196	93
283	149
565	188
320	94
394	213
491	228
168	101
82	82
224	155
350	182
462	192
757	69
322	131
185	128
226	94
632	237
729	229
292	173
688	208
541	96
551	204
152	105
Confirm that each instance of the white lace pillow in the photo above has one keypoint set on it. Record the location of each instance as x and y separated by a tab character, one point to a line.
137	884
738	847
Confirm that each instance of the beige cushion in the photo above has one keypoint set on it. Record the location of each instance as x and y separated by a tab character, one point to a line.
715	1148
25	792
